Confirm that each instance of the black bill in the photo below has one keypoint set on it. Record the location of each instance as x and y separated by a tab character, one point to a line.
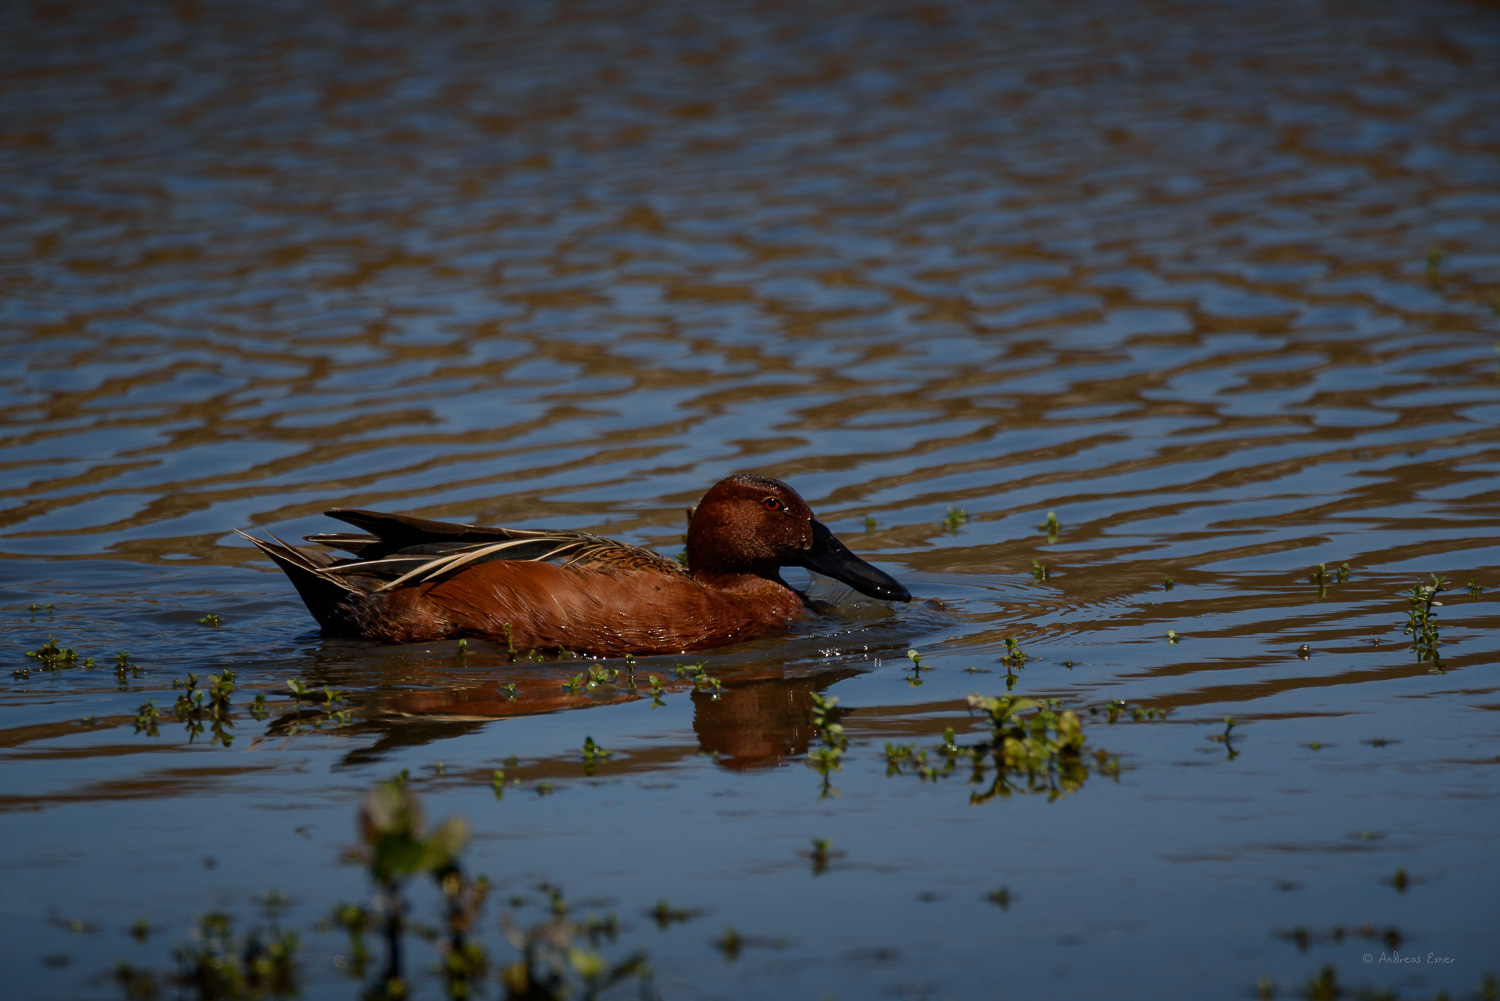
830	557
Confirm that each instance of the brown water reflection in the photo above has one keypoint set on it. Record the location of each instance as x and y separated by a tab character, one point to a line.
1215	283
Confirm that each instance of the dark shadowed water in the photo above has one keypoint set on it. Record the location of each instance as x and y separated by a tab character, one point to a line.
1218	285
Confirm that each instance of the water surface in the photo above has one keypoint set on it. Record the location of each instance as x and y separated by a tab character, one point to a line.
1217	286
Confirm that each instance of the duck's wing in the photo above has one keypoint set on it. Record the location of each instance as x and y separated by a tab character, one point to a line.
406	550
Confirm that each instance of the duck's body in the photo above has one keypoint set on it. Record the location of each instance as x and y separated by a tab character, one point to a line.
413	580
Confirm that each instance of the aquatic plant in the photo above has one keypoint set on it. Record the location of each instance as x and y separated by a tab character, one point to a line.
702	680
398	846
821	855
219	965
955	519
1040	571
357	921
592	755
1168	585
146	717
1033	746
829	758
1045	747
1014	659
1224	738
1474	589
212	620
729	943
125	668
869	524
560	959
914	680
1115	708
665	915
656	691
1052	526
1422	621
52	657
196	704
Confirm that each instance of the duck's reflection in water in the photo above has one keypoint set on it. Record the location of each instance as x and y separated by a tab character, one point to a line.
758	716
758	723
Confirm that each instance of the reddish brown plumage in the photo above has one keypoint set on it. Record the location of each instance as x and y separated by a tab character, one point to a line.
415	581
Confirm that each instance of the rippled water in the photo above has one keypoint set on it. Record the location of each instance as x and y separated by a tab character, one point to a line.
1218	286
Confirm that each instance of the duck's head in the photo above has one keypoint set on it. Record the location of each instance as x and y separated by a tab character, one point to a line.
756	525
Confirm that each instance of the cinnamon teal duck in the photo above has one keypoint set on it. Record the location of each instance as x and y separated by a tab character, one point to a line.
412	580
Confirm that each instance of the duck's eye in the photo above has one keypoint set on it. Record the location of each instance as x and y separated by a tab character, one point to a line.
772	504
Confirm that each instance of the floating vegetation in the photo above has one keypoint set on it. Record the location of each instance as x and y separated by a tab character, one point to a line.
1116	708
592	755
956	518
656	691
1434	262
397	846
1224	738
195	705
1014	659
1474	589
1030	739
52	657
1173	636
1168	585
1422	624
1051	526
40	609
821	855
702	680
125	668
219	965
561	959
510	691
829	758
1033	746
999	897
325	711
729	943
665	915
869	524
212	620
1040	571
146	717
914	679
1322	578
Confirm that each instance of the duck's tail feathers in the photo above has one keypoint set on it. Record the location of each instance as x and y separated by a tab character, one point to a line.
325	595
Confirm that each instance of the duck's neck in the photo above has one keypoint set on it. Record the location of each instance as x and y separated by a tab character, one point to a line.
747	584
